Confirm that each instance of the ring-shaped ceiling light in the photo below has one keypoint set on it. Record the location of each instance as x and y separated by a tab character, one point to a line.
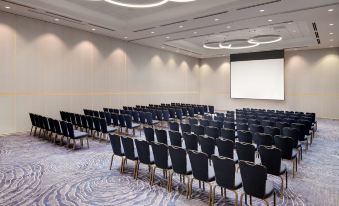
212	45
230	44
265	39
150	5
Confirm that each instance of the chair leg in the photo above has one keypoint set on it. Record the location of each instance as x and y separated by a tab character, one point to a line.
87	142
188	187
31	130
293	167
286	179
73	143
282	186
153	174
236	198
122	165
241	197
110	168
170	181
136	168
274	199
190	193
213	194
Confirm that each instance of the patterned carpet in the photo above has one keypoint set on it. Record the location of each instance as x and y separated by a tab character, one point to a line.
36	172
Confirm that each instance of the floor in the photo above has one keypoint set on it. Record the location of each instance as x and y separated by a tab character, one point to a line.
34	171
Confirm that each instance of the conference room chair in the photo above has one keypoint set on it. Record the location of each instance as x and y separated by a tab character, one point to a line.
263	139
202	171
90	125
207	117
115	119
135	116
265	123
51	128
64	130
174	126
184	112
191	112
130	154
198	129
77	121
226	148
255	128
130	124
175	138
166	116
205	122
271	158
185	128
285	144
211	109
84	124
255	183
142	119
245	136
179	114
212	132
76	135
282	125
220	114
242	126
217	124
105	129
191	141
161	160
309	130
145	156
253	122
228	134
149	134
226	176
122	122
149	119
161	135
302	129
97	128
181	166
193	121
272	131
58	131
96	114
245	151
295	134
201	110
229	125
207	145
117	149
159	116
34	124
44	126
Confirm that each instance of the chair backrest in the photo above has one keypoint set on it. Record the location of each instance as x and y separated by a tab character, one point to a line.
149	118
135	115
190	111
160	152
78	119
207	145
255	128
229	125
198	129
179	113
294	133
72	118
143	149
224	169
253	178
285	144
51	125
102	114
191	141
96	122
129	149
179	159
242	126
263	139
271	130
199	162
171	112
70	130
57	127
45	123
265	123
121	119
108	118
245	151
103	125
64	128
84	123
161	136
281	125
165	115
193	121
244	136
149	134
228	134
302	130
253	121
225	147
173	126
128	121
271	159
175	138
211	109
159	115
212	132
90	122
205	122
115	119
32	117
185	128
142	118
217	124
116	144
96	114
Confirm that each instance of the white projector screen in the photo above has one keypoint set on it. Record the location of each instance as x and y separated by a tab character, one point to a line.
258	79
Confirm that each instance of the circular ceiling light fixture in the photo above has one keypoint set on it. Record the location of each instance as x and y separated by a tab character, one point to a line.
212	45
149	5
237	44
265	39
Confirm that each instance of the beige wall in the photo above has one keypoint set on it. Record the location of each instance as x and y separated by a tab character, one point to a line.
45	68
311	84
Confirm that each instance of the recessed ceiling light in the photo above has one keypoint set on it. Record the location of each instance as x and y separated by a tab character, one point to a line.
262	10
181	26
155	4
331	33
289	23
195	32
163	47
331	46
331	39
93	29
177	50
7	7
56	19
228	27
330	10
152	32
331	24
125	37
294	31
216	19
167	37
270	20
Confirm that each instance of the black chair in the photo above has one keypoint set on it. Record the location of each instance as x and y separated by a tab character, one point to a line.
271	159
245	136
145	156
77	120
181	165
272	131
122	123
175	138
130	124
254	128
202	171
226	176
51	127
185	128
229	125
149	134
245	151
161	160
263	139
198	129
97	127
253	121
115	119
228	134
191	141
64	129
226	148
295	134
149	119
105	129
212	132
34	124
193	121
285	144
255	183
161	136
281	125
266	123
166	116
217	124
58	131
207	145
130	153
242	126
302	129
179	114
205	122
76	134
118	150
84	123
174	126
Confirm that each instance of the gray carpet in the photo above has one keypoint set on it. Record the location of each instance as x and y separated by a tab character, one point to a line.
34	171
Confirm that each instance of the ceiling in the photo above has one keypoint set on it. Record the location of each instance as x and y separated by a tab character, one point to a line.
185	27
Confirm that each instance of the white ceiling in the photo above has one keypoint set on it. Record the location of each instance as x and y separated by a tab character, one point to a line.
185	27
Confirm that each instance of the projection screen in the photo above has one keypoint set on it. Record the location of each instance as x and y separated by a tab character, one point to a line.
257	76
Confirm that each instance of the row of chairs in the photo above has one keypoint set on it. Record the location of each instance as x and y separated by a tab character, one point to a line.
52	129
197	166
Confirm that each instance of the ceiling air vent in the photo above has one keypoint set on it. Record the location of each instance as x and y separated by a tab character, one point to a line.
18	4
256	5
102	27
316	32
139	30
178	22
209	15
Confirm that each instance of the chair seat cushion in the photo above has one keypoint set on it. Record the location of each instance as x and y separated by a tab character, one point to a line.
78	134
283	168
237	181
111	129
294	153
269	189
211	175
135	125
188	167
155	121
170	119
